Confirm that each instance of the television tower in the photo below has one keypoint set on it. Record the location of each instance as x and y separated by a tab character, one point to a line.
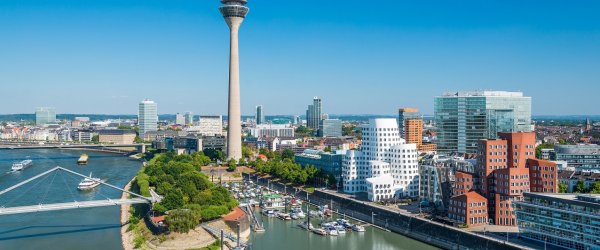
234	12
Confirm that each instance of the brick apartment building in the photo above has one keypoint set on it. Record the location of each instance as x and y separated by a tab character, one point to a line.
470	209
506	168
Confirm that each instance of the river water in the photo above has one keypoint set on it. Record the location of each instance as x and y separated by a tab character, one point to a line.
287	235
88	228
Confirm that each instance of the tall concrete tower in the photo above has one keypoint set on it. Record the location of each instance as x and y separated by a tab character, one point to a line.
234	12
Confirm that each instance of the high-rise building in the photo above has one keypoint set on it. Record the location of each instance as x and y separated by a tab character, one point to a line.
330	128
314	114
385	166
180	119
405	114
45	115
464	118
147	116
234	13
189	118
260	116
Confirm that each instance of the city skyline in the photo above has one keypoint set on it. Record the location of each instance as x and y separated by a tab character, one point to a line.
408	58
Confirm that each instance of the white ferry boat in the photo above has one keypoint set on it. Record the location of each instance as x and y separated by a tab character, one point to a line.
18	166
89	183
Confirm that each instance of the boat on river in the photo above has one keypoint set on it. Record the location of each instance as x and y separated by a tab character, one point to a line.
89	183
18	166
306	225
83	159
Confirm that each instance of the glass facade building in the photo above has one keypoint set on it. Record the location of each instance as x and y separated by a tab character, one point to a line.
313	114
565	220
45	115
330	128
464	118
584	157
327	162
260	116
147	117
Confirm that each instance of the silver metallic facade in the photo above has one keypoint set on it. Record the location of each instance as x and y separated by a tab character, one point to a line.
314	114
45	115
147	117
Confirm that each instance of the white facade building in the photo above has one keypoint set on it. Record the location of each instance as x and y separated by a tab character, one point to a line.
147	116
208	126
385	166
180	119
272	130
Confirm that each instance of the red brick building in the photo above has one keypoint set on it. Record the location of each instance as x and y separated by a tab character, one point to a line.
543	176
469	209
511	183
463	183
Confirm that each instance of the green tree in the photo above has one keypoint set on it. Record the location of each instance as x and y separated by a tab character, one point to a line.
538	149
182	220
595	189
215	154
231	165
242	162
562	188
96	139
580	187
124	126
287	154
303	130
247	152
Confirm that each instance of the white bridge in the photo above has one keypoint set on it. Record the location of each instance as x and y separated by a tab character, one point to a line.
75	204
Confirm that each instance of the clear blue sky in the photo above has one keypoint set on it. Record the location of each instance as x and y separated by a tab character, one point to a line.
104	56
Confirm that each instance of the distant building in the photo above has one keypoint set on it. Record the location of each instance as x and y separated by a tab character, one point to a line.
405	114
187	144
546	153
180	119
214	142
260	116
116	136
189	118
464	118
327	162
209	125
571	178
82	135
565	220
314	114
583	157
147	116
45	115
330	128
272	130
440	177
161	134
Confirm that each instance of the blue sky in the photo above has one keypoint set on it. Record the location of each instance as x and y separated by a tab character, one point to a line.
361	57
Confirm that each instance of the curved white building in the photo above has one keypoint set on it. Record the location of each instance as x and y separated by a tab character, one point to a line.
385	166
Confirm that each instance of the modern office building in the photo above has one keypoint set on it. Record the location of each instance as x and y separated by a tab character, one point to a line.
328	162
234	13
147	116
464	118
260	116
405	114
189	118
272	130
385	166
566	220
314	114
582	157
180	119
330	128
45	115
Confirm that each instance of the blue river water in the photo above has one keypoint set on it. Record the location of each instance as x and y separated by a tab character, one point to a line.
87	228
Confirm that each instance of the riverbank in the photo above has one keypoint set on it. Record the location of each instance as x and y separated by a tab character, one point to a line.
126	237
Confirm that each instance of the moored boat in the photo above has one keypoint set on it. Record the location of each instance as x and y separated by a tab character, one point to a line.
83	159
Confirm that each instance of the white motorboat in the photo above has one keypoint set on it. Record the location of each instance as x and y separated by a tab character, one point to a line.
358	228
89	183
18	166
306	225
331	231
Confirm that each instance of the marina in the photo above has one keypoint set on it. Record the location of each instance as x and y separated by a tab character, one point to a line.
286	218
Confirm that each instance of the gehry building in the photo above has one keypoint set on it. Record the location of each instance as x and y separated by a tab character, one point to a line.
385	166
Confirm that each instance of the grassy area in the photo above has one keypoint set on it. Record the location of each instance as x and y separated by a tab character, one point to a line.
214	246
310	189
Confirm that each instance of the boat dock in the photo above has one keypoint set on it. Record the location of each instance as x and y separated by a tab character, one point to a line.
256	225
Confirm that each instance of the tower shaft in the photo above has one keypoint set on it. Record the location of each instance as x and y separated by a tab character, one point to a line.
234	129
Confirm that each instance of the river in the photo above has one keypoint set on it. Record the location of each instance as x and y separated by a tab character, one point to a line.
88	228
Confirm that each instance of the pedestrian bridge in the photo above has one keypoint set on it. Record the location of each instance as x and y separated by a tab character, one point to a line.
137	199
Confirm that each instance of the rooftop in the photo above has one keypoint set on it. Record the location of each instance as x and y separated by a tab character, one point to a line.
483	94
